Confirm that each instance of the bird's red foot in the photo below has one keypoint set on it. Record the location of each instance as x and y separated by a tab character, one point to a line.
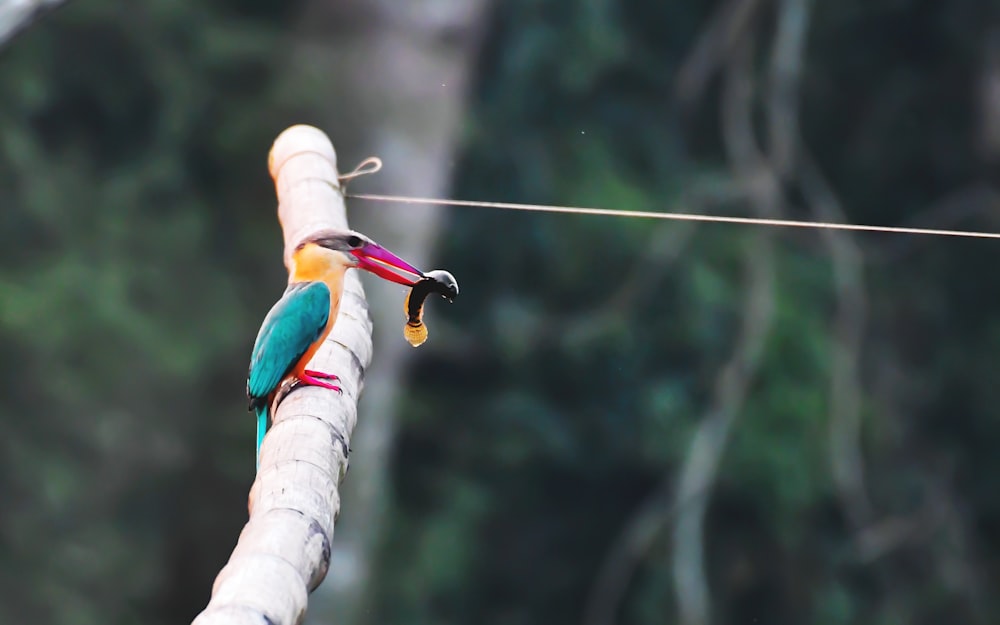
307	378
321	375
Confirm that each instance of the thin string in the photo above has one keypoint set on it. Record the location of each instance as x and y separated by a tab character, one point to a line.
373	164
370	165
608	212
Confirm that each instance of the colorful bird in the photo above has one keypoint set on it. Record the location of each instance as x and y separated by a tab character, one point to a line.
300	321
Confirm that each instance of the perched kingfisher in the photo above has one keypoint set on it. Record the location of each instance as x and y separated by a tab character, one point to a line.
300	321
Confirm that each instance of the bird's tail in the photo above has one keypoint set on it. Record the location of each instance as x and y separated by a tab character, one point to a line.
261	429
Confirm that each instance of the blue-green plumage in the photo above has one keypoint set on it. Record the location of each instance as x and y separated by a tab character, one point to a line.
290	328
261	428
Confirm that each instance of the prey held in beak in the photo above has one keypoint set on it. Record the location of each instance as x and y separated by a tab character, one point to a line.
386	265
437	281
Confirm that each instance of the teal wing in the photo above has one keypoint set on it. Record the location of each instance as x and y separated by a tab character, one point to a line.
292	325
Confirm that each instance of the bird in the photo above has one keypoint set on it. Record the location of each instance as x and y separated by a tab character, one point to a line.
299	322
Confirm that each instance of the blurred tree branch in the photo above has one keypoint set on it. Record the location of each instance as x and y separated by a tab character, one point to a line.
727	33
667	243
788	154
697	477
665	246
713	47
626	553
989	98
784	76
847	461
16	16
705	453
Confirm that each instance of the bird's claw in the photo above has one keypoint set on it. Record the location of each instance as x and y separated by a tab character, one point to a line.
321	375
308	378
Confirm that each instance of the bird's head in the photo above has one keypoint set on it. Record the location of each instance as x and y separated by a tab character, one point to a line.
353	249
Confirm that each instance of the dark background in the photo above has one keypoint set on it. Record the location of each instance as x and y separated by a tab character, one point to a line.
615	414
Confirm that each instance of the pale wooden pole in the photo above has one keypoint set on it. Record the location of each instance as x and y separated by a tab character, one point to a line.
284	550
17	15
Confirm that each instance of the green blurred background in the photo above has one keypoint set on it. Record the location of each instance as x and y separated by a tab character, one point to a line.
618	421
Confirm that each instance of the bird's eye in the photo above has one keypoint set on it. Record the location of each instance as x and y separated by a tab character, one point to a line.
354	241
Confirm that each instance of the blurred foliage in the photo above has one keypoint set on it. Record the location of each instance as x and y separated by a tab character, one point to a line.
129	279
561	420
556	398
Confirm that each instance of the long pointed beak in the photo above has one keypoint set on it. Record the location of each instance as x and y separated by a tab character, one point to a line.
386	265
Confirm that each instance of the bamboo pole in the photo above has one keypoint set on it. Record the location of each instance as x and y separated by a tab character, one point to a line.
283	551
17	16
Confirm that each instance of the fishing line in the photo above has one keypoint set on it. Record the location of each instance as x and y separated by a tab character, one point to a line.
608	212
373	164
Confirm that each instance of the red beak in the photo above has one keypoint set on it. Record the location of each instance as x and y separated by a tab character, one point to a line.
386	265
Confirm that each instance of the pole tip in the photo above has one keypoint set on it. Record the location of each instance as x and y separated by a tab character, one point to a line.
296	140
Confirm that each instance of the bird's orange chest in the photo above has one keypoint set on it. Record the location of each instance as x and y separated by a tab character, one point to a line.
318	267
